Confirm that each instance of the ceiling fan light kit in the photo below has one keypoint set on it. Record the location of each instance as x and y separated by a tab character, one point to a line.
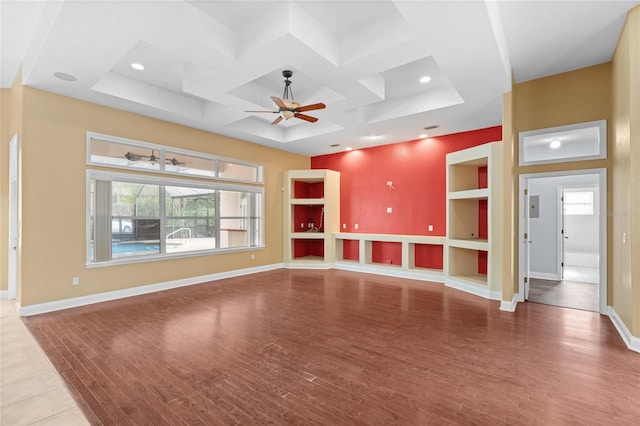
287	107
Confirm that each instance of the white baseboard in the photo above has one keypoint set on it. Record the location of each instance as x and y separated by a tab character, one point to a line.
422	275
308	265
509	306
4	294
544	276
57	305
632	342
468	287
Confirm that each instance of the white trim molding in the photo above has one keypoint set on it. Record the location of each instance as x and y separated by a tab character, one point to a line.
4	294
632	342
544	276
422	275
57	305
477	290
509	306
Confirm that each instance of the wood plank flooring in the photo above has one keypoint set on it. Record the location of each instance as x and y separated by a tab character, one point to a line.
336	347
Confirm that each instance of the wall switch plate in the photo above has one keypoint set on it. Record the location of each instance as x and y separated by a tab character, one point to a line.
355	226
389	210
344	226
430	228
75	280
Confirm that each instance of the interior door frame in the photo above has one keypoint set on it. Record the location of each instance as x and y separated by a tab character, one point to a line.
523	181
14	219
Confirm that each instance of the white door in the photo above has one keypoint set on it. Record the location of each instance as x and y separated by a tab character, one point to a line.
563	235
525	237
14	222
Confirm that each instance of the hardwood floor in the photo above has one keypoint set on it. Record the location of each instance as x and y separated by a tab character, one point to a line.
336	347
567	294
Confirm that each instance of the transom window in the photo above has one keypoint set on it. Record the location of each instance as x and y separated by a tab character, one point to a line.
134	217
112	151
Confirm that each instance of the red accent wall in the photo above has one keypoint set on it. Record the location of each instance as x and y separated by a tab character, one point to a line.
418	172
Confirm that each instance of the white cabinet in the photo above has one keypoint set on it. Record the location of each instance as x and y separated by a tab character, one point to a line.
311	214
475	220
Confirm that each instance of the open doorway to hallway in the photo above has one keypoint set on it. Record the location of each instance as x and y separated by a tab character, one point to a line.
564	240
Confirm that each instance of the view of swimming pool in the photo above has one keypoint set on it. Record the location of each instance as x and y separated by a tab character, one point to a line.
118	248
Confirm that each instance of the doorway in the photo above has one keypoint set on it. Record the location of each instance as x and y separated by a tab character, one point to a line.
563	256
14	222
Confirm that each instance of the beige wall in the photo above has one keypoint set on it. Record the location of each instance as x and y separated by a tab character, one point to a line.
625	150
510	282
10	124
572	97
54	194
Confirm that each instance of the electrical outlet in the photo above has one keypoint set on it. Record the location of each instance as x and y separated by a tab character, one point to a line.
389	210
75	280
302	226
253	257
355	226
430	228
344	226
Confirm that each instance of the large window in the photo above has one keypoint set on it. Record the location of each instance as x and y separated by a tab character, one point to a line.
111	151
136	217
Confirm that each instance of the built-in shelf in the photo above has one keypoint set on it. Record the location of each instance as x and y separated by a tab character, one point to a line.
405	264
470	194
311	215
474	220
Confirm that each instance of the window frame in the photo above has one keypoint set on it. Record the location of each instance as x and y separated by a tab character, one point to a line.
162	149
162	182
589	204
601	125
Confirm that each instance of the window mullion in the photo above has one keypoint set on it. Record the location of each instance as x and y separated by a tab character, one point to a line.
163	219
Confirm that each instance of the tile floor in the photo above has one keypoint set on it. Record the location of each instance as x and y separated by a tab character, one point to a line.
31	391
582	274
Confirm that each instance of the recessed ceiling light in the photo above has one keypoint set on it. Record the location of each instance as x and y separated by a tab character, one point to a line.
422	136
64	76
348	148
555	144
425	79
137	66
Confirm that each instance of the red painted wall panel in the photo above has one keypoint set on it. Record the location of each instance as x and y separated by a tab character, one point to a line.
351	249
386	252
302	248
429	256
482	262
418	172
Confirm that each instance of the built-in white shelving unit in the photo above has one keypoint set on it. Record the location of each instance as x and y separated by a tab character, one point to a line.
474	219
311	215
363	258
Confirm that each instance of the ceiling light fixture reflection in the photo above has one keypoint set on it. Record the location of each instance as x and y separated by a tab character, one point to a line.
425	79
424	135
348	148
555	144
137	66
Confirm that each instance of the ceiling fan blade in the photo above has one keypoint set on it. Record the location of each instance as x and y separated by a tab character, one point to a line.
276	121
310	107
305	117
278	102
272	112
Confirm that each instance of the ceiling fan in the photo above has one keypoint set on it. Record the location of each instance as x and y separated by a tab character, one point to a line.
287	107
133	157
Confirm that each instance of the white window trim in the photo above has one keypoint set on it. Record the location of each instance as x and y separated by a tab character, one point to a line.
92	174
602	154
162	148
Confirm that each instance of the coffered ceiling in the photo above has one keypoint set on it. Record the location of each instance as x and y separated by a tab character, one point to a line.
207	62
